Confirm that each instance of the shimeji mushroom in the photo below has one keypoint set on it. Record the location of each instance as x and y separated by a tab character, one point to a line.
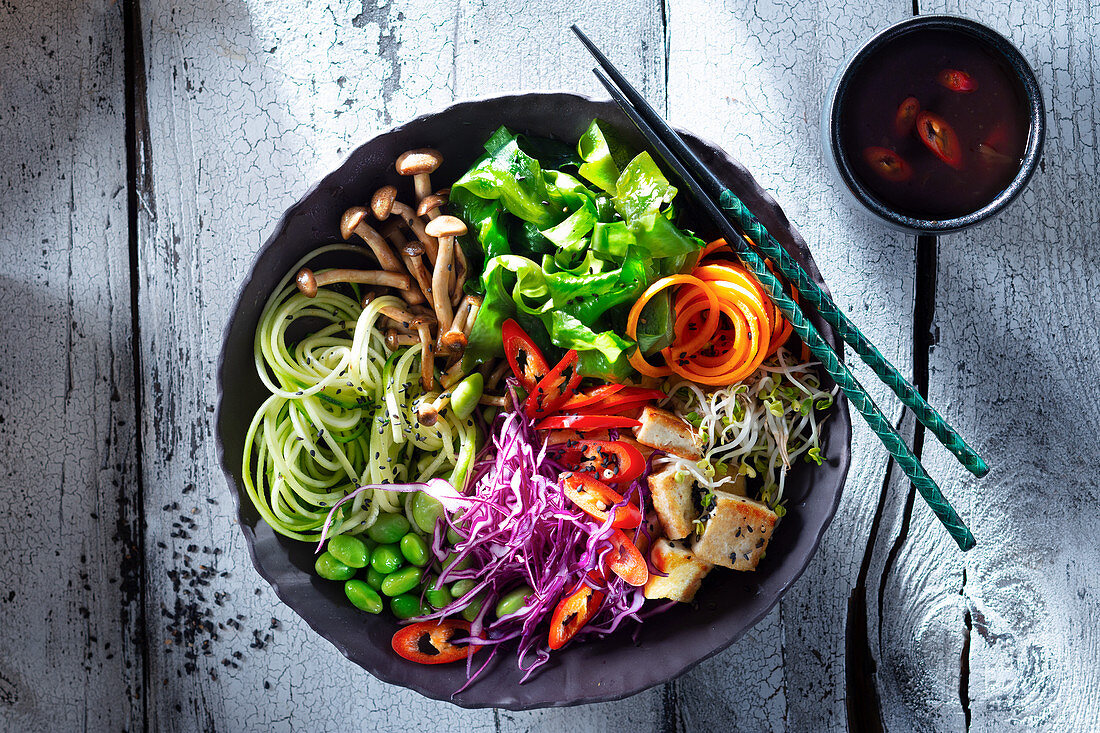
384	202
445	229
308	281
353	223
419	164
429	205
454	340
497	374
403	318
410	255
395	339
427	348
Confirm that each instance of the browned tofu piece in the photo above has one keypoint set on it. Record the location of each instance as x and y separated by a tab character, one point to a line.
737	533
685	572
672	502
662	430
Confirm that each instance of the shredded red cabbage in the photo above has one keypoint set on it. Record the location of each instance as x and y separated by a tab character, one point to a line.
520	529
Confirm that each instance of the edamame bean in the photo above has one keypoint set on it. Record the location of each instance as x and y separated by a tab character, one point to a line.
386	559
471	611
415	549
402	581
329	568
437	595
407	605
388	528
454	537
453	564
461	587
362	596
425	511
489	414
513	601
465	395
349	550
375	578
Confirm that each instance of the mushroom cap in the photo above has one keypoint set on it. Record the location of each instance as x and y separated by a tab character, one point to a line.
445	226
307	283
427	415
430	202
350	220
391	339
381	203
421	160
422	322
453	342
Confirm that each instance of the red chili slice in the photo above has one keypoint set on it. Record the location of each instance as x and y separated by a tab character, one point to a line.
586	423
887	164
429	642
572	613
596	499
906	116
553	390
956	81
628	397
626	561
611	461
583	399
525	358
940	138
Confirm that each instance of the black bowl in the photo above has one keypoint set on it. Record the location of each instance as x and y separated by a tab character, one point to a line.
834	104
608	669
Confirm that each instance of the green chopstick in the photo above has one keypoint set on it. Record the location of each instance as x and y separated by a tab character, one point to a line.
751	227
840	374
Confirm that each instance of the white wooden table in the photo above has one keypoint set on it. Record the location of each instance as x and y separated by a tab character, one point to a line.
148	146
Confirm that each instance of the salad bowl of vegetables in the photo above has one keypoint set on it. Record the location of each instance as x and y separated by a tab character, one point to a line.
507	426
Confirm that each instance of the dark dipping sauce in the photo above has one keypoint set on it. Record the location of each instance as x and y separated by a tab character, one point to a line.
991	122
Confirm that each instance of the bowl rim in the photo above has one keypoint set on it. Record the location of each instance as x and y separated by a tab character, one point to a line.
841	429
996	43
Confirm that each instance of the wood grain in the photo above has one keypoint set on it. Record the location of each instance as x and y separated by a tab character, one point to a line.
248	104
763	71
1015	366
69	555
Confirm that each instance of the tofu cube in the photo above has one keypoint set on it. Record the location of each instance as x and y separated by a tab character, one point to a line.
672	502
737	532
685	572
662	430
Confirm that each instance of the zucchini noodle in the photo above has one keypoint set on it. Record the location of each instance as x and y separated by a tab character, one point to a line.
341	414
757	428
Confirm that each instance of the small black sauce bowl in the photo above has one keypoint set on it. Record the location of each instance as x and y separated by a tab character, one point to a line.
834	101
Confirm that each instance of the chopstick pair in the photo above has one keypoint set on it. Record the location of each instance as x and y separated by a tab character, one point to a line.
719	203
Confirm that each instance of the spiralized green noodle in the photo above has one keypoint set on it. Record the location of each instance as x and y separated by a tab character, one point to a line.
342	414
758	427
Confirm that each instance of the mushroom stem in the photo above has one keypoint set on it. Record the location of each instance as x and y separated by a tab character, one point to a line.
494	379
493	400
406	321
431	246
395	339
413	263
353	223
308	281
453	375
473	306
440	276
427	366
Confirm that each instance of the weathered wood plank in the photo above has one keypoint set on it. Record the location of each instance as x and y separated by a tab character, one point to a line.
1013	375
70	653
249	103
753	78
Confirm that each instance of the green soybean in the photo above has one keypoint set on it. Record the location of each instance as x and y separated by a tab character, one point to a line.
454	537
363	597
388	528
426	510
386	559
461	587
453	564
402	581
437	595
329	568
465	395
407	605
349	550
375	578
471	611
415	549
512	601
